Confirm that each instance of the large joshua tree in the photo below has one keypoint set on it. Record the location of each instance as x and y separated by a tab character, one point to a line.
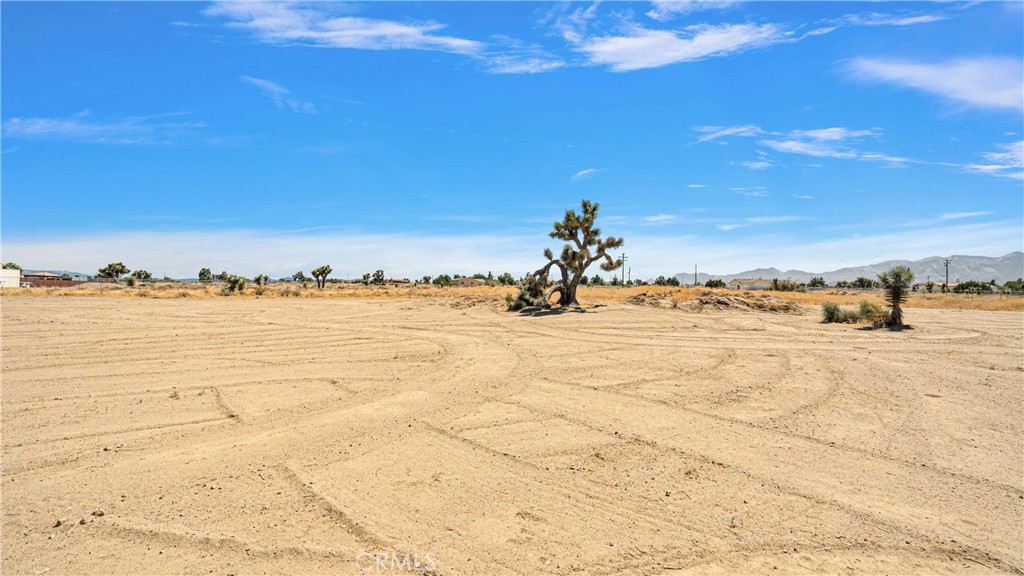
321	274
584	246
896	282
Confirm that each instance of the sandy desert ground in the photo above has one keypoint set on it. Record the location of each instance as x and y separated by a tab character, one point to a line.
305	436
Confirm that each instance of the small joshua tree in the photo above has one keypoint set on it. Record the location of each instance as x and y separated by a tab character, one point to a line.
896	282
584	246
261	281
233	284
114	270
378	277
142	275
321	274
205	275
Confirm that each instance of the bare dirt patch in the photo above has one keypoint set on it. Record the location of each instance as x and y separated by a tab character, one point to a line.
298	435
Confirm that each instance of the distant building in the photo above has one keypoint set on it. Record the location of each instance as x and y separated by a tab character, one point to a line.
49	280
10	278
750	284
470	282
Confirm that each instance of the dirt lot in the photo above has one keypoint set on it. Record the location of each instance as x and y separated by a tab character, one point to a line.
346	436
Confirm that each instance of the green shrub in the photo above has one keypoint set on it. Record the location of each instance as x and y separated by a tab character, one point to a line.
871	313
834	313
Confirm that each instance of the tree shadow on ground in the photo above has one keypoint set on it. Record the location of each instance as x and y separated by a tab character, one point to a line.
536	312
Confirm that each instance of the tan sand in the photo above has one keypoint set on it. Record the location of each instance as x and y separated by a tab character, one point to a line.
345	436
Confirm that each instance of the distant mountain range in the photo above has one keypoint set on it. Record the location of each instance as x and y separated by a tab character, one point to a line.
981	268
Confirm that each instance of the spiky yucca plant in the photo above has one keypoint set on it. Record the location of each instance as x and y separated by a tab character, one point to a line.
896	282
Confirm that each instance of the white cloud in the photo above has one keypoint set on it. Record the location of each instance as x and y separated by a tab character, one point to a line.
514	64
803	197
1008	162
960	215
716	132
773	219
877	19
280	95
831	134
654	254
251	252
583	174
755	193
980	82
81	127
668	9
640	47
835	142
660	219
696	185
317	25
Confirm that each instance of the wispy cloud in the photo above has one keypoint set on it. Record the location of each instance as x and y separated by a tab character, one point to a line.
159	129
250	252
668	9
696	185
773	219
803	197
756	192
716	132
320	25
979	82
517	57
660	219
519	64
879	19
961	215
468	218
824	143
281	96
325	149
637	47
833	142
1007	162
584	174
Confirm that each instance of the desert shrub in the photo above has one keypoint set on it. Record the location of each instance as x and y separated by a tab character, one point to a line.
834	313
715	283
131	281
872	314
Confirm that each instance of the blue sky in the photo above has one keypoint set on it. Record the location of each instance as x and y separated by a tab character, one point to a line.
445	137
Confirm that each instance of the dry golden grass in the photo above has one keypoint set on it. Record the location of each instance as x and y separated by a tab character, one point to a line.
587	294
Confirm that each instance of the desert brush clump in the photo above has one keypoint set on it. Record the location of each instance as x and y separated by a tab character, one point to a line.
872	314
866	312
584	246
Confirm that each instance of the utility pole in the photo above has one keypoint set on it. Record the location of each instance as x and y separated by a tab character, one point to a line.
945	286
624	258
694	275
